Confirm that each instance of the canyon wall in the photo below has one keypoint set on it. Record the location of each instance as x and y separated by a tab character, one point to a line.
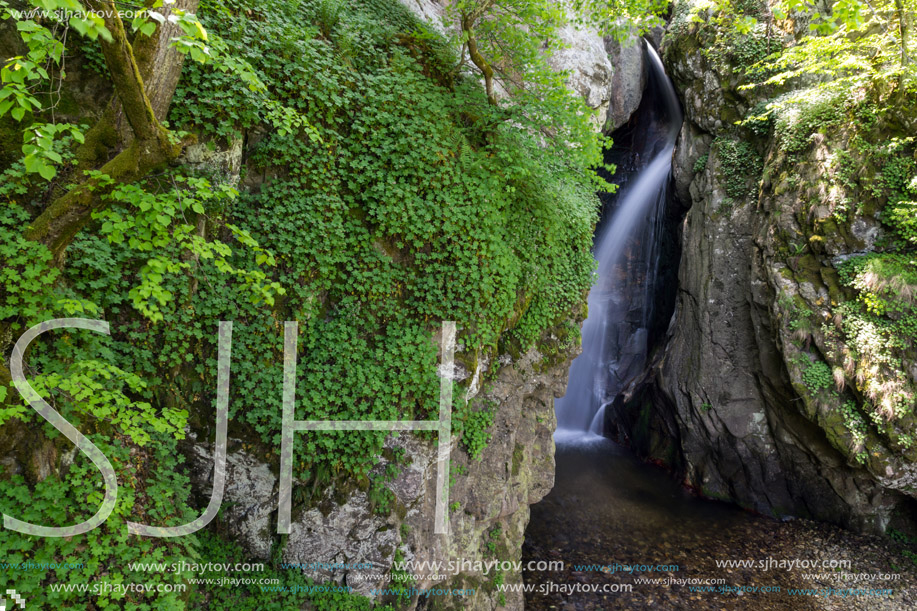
362	90
778	386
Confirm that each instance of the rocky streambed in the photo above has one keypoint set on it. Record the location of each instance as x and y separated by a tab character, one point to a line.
609	512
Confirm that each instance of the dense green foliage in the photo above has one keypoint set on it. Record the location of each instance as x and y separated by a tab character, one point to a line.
381	193
151	491
413	205
741	167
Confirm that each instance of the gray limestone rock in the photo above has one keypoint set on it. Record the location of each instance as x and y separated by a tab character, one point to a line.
249	499
591	70
431	11
489	494
628	81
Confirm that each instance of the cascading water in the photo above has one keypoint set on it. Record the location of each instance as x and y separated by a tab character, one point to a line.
606	505
615	334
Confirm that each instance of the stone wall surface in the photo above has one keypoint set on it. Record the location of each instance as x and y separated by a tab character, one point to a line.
489	497
726	402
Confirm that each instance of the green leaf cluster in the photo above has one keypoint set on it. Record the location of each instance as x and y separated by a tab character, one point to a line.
152	490
417	202
741	167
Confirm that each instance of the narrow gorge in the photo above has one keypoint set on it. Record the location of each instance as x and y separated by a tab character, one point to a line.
776	386
677	241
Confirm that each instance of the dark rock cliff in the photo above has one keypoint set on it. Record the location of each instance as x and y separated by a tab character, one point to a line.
733	400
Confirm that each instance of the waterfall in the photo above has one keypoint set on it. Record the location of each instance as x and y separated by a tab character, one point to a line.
615	334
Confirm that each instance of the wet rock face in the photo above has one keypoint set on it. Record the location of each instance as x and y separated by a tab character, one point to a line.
489	497
724	402
723	382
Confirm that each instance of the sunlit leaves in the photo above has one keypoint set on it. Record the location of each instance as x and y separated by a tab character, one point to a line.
149	221
102	390
745	24
620	19
514	39
40	156
853	42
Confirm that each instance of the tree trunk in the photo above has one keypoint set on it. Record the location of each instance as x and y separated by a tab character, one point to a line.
145	82
160	66
904	28
160	63
141	104
478	60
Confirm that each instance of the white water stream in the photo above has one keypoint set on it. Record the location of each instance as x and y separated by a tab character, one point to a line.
614	336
